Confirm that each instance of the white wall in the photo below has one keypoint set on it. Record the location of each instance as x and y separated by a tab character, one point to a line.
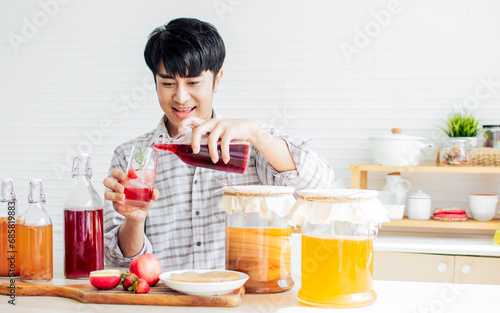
82	67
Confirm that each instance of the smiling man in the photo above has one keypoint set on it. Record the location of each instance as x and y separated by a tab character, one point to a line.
183	227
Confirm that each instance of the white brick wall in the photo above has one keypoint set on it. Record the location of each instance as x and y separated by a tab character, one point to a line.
82	67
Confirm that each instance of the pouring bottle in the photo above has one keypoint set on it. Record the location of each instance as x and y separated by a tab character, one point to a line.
398	185
83	224
35	232
9	257
180	145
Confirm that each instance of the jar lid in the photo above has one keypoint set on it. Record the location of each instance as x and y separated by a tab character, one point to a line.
419	195
257	198
397	135
322	206
258	190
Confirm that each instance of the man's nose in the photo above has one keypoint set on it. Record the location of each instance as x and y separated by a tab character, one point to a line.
181	95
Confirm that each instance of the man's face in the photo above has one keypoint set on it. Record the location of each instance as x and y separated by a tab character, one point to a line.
182	97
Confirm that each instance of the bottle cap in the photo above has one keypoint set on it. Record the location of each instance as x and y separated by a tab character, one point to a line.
36	181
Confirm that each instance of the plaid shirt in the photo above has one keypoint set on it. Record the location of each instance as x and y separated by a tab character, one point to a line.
184	228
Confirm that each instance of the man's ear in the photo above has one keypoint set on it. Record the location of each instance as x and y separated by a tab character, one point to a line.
217	79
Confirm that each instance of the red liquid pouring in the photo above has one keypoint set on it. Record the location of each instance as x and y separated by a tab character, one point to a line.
83	242
238	154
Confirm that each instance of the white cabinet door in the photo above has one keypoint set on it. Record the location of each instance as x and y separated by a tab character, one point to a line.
413	267
477	270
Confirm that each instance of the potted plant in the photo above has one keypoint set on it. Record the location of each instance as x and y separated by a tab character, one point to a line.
462	124
462	129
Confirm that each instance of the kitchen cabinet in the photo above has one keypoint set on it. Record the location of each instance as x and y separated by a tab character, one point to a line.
439	268
413	267
432	267
359	180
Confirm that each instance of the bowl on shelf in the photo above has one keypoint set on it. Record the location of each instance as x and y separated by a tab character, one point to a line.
395	211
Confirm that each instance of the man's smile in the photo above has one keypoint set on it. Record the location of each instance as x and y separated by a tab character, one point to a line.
183	113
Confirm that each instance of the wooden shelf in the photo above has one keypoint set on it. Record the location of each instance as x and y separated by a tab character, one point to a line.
359	173
428	169
359	179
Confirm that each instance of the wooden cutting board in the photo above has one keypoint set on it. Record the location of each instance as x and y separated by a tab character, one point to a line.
158	295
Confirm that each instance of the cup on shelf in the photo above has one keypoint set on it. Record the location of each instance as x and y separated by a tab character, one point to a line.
419	206
389	200
483	207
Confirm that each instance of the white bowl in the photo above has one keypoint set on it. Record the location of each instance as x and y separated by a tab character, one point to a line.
202	288
395	211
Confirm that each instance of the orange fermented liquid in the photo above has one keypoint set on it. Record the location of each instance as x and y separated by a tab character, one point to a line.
36	250
9	260
262	253
337	271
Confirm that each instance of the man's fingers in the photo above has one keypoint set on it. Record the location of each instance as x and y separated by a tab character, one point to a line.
113	185
113	196
119	175
224	147
191	121
212	141
156	195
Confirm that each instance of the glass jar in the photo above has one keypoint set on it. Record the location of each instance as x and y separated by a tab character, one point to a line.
338	228
491	136
456	151
35	238
9	257
258	237
83	225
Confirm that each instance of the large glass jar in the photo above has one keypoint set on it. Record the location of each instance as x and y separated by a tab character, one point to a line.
338	227
258	237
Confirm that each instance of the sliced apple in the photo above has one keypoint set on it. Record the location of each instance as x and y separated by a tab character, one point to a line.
105	279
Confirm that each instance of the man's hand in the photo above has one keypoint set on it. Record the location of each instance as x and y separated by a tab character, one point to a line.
223	129
273	148
115	183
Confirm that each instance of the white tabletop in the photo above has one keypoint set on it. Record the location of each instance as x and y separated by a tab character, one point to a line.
393	296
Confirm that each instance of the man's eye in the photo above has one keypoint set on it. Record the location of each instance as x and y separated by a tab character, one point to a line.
167	84
194	83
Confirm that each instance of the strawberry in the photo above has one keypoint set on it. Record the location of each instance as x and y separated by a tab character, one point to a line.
132	174
140	285
127	280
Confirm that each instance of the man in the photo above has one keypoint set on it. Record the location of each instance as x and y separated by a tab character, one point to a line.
183	227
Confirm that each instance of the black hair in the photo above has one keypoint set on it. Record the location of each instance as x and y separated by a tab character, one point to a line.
187	47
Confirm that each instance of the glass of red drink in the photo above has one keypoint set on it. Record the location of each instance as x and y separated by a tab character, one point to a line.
141	176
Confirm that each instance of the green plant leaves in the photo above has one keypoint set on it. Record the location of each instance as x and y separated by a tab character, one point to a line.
462	124
140	157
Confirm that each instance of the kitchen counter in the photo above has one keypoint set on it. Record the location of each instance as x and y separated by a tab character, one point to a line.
392	297
452	244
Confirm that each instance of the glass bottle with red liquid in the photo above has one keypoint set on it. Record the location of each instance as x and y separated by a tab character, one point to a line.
239	152
83	224
35	238
9	256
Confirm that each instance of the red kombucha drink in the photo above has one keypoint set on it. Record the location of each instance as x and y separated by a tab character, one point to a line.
83	234
238	153
138	188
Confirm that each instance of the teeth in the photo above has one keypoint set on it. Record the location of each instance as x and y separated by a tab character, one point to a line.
184	110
